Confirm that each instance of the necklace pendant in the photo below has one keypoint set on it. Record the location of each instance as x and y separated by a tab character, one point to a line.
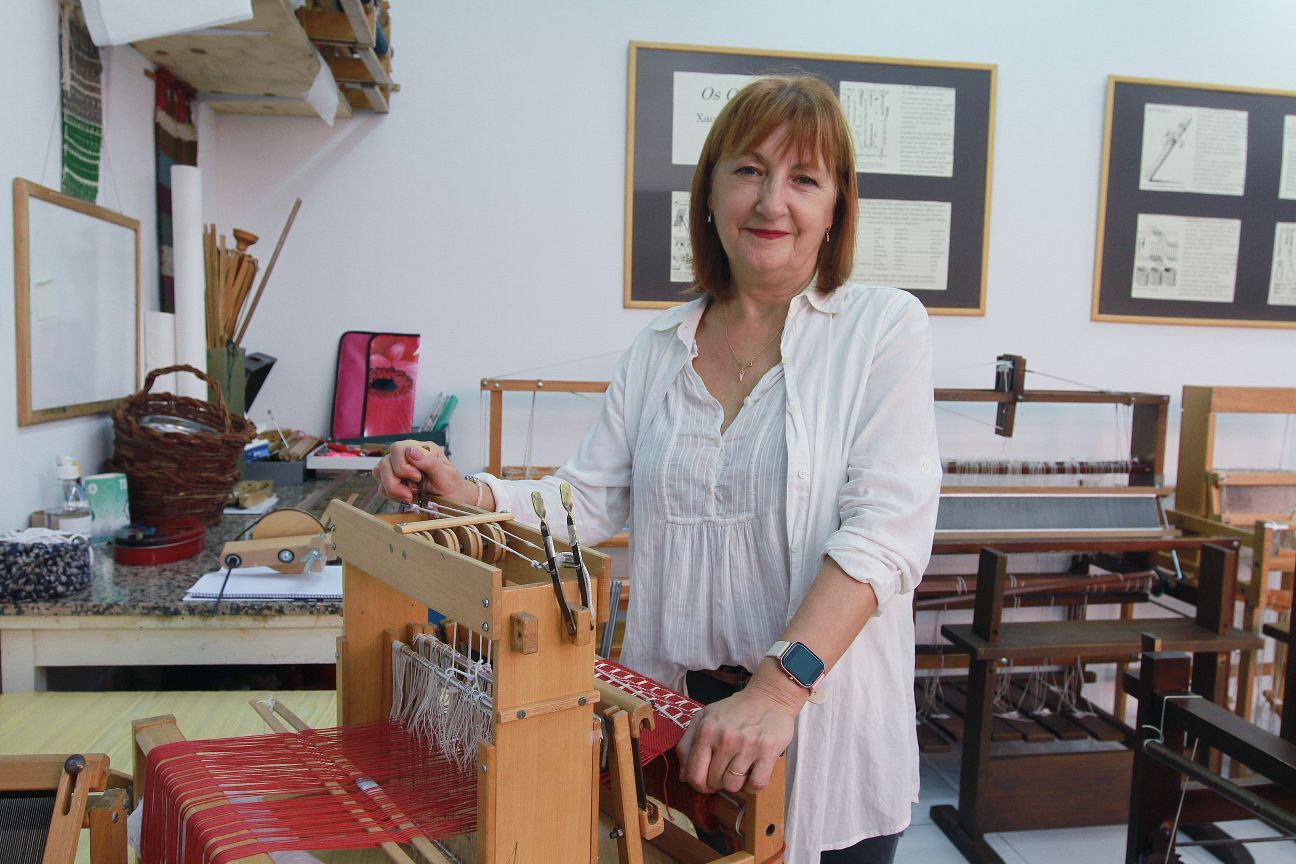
741	375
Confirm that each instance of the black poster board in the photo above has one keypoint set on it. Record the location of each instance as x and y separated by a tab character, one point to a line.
652	175
1148	262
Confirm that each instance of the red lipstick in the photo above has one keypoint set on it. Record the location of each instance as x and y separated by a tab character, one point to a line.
767	235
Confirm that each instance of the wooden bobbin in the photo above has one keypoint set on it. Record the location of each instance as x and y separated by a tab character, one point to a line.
494	552
445	537
470	541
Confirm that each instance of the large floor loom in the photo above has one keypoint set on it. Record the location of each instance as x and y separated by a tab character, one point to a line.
480	741
1258	507
1034	549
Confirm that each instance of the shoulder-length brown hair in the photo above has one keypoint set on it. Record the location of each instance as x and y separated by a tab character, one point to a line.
816	124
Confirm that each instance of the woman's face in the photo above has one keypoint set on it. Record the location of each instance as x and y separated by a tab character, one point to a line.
771	209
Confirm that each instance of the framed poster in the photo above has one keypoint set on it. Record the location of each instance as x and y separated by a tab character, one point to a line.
1197	214
923	131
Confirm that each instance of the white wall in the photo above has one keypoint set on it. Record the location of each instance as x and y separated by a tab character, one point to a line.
30	148
486	210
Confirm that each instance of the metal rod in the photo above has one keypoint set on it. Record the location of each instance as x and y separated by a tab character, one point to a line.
1277	816
447	508
1228	841
614	612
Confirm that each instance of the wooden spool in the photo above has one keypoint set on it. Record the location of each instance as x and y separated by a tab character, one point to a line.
445	537
494	552
470	541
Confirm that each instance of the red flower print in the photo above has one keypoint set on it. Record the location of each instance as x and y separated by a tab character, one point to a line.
393	369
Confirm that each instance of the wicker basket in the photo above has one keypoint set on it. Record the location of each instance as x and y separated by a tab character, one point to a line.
178	473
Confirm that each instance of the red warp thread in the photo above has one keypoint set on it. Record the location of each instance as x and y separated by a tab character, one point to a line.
355	787
213	802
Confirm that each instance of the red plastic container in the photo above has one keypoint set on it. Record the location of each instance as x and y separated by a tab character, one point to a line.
162	543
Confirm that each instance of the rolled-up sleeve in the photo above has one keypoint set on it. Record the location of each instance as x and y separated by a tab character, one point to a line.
888	500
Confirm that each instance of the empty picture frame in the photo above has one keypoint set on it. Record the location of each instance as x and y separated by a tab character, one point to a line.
76	305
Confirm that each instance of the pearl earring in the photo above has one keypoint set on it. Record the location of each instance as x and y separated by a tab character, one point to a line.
708	217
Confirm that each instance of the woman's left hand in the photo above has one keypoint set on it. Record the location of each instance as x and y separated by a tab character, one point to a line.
733	744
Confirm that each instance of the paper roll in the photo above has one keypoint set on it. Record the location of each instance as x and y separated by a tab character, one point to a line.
190	281
159	349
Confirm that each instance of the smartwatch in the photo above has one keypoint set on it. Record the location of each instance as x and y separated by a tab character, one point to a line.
801	665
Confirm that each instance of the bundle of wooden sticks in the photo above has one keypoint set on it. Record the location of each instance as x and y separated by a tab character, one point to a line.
229	276
230	273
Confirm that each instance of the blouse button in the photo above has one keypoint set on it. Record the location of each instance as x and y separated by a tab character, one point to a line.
795	546
791	408
803	474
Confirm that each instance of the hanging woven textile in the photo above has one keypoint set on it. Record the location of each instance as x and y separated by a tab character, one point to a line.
81	73
175	142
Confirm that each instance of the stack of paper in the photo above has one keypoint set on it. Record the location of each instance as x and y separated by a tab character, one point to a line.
264	583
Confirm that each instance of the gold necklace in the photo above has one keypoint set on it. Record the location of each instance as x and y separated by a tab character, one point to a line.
743	367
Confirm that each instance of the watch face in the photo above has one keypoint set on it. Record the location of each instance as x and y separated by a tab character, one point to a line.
802	664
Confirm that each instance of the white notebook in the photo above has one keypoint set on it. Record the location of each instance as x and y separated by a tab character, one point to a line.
263	583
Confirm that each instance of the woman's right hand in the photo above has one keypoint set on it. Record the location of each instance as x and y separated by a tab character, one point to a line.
417	467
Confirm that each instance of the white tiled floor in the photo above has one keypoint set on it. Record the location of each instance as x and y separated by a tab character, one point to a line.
924	843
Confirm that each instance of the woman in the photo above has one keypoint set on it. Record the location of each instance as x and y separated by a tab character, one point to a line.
773	444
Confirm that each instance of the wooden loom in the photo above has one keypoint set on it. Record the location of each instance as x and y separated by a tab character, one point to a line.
1257	507
1033	510
1181	737
68	793
537	781
1056	534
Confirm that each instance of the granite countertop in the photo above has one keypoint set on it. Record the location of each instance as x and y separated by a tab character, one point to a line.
120	589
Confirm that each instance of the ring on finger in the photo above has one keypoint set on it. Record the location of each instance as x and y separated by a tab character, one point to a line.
737	773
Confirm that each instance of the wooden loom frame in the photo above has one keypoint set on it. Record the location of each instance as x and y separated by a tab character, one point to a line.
1197	510
1014	792
92	796
1158	796
545	734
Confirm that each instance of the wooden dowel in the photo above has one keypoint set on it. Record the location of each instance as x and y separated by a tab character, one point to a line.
265	713
452	522
274	256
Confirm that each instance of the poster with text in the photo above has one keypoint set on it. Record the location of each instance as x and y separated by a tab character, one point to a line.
1282	277
698	98
904	244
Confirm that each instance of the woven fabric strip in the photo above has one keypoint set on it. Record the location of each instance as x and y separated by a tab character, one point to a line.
82	103
175	142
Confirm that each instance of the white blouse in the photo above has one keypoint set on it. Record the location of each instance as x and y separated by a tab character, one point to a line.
861	484
719	555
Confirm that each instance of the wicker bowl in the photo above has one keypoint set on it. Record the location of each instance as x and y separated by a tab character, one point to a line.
173	473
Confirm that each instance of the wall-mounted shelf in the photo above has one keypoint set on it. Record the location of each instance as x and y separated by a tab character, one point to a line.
265	65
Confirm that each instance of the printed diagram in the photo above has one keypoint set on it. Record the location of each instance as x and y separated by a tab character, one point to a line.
1174	141
868	112
1185	258
681	256
1187	148
1156	258
900	128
